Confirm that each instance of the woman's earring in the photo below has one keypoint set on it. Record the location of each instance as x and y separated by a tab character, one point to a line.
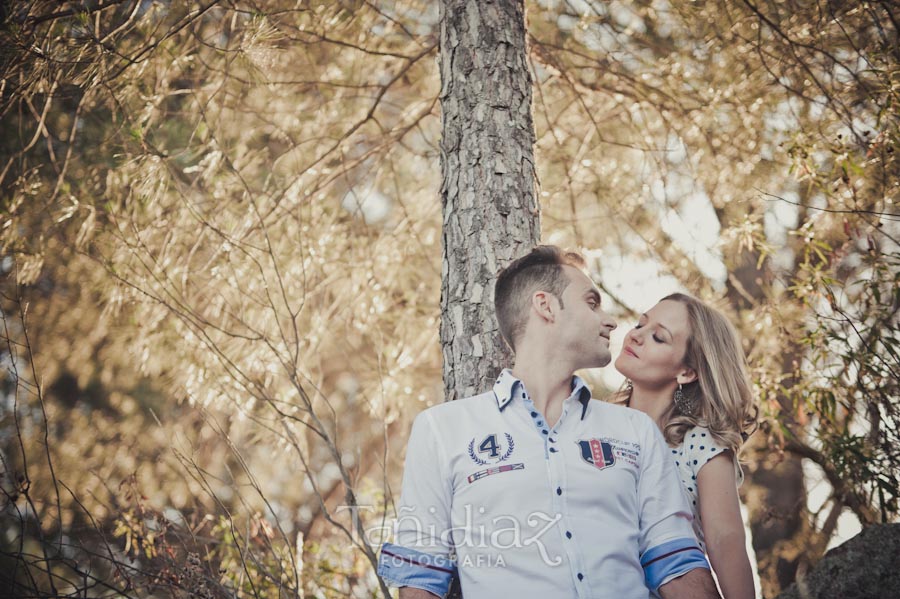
629	386
684	405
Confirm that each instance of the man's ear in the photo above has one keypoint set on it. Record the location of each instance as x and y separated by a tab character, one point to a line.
542	304
688	375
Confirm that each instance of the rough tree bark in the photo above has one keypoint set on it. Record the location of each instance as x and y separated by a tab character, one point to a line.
490	208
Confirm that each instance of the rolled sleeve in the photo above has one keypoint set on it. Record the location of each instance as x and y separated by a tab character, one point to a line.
671	560
667	543
402	567
420	555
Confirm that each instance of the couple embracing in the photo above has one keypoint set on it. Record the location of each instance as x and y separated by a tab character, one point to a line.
536	489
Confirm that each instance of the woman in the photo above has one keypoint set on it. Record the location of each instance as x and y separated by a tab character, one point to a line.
686	370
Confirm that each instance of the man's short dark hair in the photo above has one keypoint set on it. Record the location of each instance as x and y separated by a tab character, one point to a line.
539	270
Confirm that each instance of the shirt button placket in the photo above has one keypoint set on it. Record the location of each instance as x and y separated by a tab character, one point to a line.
570	543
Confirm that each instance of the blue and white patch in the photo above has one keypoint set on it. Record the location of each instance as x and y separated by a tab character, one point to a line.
491	449
597	453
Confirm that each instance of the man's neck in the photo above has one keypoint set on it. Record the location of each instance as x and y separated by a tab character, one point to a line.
548	385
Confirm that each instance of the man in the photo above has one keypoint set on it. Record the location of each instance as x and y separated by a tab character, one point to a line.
534	489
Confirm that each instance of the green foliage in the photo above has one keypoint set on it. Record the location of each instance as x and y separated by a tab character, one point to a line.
853	346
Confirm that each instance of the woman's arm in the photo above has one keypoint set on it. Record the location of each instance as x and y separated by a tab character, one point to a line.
695	584
723	528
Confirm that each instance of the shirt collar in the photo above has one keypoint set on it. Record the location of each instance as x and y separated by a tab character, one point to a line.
508	385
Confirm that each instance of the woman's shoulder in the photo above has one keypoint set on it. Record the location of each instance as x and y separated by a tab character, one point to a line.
700	435
699	447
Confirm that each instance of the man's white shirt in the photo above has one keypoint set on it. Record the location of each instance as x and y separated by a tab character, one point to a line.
591	507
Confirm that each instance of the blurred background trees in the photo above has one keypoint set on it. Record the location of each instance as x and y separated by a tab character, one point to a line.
220	229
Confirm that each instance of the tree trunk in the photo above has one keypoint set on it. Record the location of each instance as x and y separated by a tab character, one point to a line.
774	492
490	209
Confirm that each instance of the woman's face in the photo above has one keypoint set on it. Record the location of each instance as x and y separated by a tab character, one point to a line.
653	351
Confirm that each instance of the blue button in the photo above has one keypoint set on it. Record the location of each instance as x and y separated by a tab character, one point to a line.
558	491
580	576
568	535
553	449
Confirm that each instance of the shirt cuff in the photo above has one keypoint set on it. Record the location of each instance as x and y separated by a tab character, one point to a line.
402	567
670	560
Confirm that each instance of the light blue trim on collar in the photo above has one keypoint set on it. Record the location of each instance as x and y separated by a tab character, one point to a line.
507	385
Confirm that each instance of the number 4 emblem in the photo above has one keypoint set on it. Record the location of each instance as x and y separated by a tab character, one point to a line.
490	450
490	446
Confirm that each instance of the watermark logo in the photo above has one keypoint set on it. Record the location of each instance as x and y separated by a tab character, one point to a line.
476	538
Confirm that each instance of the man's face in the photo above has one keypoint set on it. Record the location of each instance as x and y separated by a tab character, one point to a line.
583	326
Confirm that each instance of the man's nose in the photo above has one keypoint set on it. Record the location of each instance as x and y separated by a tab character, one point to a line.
610	322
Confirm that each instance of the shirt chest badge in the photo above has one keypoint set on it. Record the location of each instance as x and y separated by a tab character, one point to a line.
597	453
492	449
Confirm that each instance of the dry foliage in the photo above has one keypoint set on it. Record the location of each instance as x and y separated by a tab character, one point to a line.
219	237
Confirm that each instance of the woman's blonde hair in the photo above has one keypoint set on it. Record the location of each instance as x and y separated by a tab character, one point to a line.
722	392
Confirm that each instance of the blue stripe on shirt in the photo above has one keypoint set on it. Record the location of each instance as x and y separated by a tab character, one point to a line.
670	560
403	567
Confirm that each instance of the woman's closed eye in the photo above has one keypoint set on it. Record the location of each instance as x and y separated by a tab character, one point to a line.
656	337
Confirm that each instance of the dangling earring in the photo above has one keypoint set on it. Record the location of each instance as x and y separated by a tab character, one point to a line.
629	386
684	405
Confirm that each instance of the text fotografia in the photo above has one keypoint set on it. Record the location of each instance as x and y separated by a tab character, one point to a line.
466	561
500	533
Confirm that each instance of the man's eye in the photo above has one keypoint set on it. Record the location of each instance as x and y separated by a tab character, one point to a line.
657	339
638	326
